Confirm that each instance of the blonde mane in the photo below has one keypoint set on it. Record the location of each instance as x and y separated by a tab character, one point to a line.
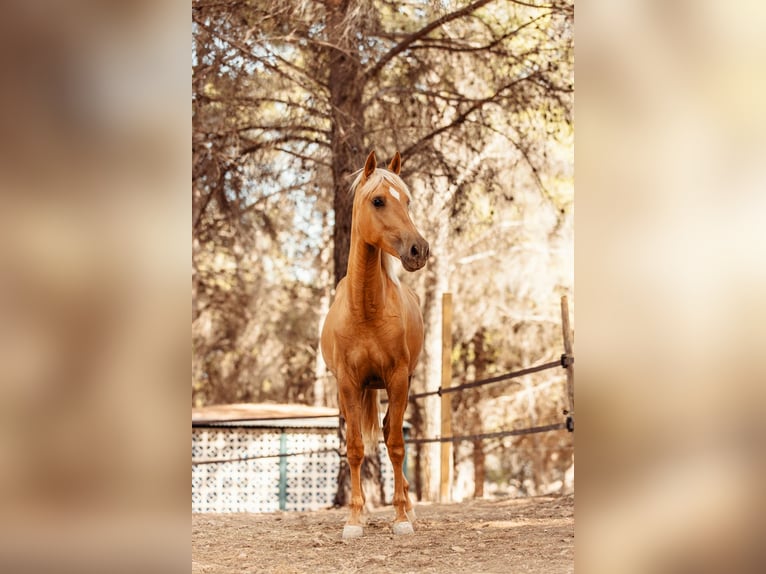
389	264
376	178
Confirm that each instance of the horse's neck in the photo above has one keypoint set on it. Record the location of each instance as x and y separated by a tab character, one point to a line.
367	280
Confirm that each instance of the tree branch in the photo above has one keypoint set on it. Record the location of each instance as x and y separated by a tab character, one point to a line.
407	42
245	50
255	146
463	116
248	100
282	128
453	46
304	157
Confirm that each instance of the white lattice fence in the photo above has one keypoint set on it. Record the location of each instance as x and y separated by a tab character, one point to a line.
302	482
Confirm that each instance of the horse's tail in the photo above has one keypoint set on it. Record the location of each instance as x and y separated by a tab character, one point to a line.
370	421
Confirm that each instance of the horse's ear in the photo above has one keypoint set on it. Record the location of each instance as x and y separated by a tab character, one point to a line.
370	164
396	164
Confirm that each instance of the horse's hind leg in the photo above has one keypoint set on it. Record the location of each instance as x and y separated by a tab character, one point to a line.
354	455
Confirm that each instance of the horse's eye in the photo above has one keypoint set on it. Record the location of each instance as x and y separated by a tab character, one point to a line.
378	202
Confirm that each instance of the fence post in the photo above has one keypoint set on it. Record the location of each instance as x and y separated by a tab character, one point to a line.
567	333
446	422
283	471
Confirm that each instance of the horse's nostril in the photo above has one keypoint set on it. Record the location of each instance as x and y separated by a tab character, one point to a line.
414	251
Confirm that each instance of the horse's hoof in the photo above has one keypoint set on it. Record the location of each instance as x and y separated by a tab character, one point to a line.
352	531
411	514
401	528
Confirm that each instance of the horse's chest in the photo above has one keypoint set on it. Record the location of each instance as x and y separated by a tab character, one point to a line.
375	349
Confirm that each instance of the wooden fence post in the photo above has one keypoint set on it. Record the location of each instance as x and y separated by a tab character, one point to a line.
446	414
567	333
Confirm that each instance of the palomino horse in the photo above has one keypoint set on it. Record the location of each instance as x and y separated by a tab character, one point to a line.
373	333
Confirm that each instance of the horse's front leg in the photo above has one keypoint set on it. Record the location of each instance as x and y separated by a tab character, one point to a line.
351	408
394	436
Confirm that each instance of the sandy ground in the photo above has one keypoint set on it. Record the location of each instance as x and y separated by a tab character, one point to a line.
510	535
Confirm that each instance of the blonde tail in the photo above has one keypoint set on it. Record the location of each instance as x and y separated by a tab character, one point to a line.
370	421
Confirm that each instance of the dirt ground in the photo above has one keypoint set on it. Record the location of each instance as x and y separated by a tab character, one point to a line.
510	535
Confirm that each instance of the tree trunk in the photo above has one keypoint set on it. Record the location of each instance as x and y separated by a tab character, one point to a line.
430	454
347	130
479	469
321	373
348	155
322	378
372	476
416	420
480	362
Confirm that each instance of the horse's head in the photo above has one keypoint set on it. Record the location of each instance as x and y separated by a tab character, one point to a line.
381	213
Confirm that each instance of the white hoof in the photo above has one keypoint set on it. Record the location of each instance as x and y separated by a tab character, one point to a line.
403	528
352	531
411	514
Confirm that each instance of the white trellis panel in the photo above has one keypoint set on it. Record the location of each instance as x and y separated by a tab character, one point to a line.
245	486
254	485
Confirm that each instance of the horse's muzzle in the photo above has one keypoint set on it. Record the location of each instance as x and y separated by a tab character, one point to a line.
415	255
